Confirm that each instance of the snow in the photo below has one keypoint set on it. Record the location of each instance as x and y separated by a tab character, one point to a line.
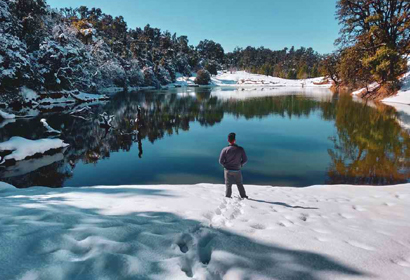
73	97
22	148
87	32
49	128
192	231
6	116
245	79
403	96
371	87
28	94
87	97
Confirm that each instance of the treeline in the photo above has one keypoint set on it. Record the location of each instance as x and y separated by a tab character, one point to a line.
287	63
86	49
152	45
373	47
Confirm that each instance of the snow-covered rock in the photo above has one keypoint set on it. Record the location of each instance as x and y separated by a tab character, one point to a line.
22	148
29	95
6	116
49	128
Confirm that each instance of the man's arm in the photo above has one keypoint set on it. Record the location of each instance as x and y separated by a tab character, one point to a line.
222	158
244	157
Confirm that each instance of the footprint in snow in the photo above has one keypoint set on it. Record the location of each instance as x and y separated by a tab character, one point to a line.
285	223
323	231
346	216
304	217
208	215
359	208
184	242
389	204
258	226
402	262
360	245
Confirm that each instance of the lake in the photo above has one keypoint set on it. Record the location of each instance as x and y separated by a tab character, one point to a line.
292	139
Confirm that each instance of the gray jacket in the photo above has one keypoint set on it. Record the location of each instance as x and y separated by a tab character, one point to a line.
233	157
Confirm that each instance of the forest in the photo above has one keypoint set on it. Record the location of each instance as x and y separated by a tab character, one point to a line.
86	49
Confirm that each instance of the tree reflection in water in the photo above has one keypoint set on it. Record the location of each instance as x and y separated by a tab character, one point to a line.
369	147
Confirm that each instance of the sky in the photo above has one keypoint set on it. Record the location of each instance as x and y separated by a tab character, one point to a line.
273	24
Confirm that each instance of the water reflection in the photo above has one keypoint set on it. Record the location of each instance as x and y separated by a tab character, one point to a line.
370	146
365	144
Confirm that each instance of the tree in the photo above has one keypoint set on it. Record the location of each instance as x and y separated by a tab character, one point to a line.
211	68
211	50
203	77
352	71
381	29
330	67
29	13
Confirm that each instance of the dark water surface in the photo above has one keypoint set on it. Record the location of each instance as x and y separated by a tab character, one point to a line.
292	140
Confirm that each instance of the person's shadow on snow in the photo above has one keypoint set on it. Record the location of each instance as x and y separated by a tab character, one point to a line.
283	204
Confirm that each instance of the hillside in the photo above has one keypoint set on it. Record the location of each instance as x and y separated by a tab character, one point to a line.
50	51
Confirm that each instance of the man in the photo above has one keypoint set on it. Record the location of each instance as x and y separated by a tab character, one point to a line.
233	158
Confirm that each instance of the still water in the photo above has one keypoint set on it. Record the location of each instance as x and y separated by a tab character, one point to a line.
292	139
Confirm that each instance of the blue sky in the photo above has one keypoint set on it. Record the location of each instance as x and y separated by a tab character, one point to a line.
273	24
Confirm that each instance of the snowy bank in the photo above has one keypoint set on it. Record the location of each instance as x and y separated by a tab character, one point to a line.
23	148
403	96
245	79
191	231
6	116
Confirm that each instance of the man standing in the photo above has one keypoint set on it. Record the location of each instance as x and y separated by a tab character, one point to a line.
233	158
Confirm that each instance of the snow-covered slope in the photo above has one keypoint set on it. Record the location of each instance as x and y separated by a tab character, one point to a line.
193	232
403	96
245	79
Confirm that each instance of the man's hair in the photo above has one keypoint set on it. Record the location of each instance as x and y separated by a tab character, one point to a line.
231	137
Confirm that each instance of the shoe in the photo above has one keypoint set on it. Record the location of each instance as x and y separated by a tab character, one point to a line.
228	197
245	197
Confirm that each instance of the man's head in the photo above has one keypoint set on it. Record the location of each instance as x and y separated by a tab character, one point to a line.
232	138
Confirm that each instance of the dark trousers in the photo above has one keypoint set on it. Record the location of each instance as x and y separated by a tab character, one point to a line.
234	177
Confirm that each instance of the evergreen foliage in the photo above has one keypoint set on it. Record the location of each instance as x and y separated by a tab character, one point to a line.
287	63
86	49
374	43
203	77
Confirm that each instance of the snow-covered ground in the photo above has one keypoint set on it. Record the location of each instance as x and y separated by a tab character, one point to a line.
401	101
193	232
403	96
245	79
